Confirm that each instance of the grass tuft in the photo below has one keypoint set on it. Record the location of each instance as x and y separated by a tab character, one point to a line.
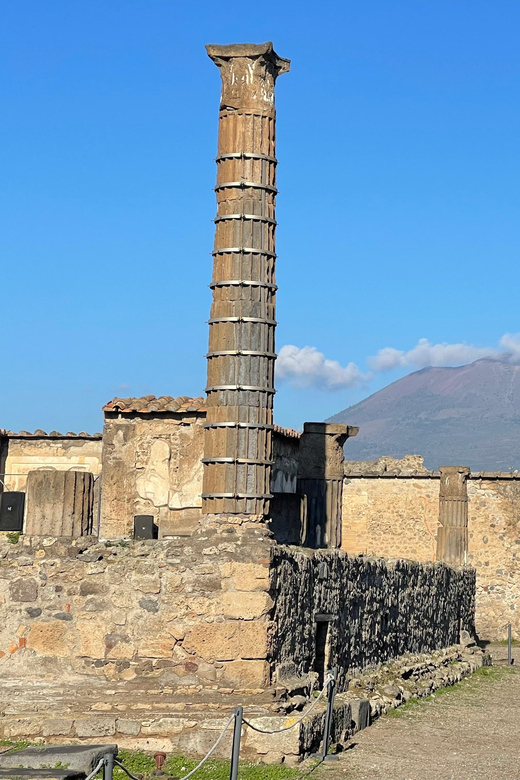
140	763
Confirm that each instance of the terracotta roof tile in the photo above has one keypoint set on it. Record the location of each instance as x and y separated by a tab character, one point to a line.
39	434
148	404
290	432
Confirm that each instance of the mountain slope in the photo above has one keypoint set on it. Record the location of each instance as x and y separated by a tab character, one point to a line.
469	416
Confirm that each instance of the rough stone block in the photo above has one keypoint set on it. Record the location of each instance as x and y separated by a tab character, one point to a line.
246	674
49	638
92	635
22	727
288	742
95	727
228	641
360	713
166	726
156	647
127	726
246	606
246	576
57	727
23	589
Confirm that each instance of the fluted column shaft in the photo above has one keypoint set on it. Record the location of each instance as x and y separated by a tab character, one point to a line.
241	356
452	533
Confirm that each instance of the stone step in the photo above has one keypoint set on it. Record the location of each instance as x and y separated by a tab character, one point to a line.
67	762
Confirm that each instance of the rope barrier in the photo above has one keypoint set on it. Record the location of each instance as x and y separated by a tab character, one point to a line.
97	769
211	750
297	722
121	766
201	763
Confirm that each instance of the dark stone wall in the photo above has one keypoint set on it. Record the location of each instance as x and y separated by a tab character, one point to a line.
377	609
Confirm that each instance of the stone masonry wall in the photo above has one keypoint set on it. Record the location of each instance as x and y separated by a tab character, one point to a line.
376	609
31	453
393	516
152	644
152	465
494	550
141	641
391	508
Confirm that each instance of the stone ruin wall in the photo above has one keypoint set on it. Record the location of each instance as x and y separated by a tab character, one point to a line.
494	550
391	508
21	454
152	465
140	641
375	609
152	644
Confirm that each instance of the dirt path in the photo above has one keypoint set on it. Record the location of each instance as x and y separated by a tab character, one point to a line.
470	731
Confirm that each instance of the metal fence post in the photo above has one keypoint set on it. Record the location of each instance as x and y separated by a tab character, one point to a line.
237	735
333	673
509	649
108	766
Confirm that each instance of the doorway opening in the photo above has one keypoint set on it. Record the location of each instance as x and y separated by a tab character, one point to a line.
322	648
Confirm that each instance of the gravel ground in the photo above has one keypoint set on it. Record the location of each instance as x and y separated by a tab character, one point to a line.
469	731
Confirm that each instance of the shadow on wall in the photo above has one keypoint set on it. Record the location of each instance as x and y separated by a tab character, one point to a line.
312	515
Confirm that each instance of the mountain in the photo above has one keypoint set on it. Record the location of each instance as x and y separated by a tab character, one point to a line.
464	416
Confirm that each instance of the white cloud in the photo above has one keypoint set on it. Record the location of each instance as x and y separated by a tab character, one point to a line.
426	354
307	367
511	343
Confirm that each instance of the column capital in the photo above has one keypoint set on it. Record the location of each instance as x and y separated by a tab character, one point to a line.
453	482
248	73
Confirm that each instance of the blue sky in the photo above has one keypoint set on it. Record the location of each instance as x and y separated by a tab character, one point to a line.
398	210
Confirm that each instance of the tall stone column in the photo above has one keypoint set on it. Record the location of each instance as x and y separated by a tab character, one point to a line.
452	534
320	481
241	357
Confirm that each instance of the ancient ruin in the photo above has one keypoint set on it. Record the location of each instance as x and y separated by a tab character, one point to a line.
237	449
189	560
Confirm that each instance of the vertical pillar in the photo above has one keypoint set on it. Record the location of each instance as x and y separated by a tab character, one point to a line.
59	503
241	356
452	534
320	481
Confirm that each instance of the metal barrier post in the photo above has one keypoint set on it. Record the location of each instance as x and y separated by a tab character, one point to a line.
333	674
237	735
108	766
509	650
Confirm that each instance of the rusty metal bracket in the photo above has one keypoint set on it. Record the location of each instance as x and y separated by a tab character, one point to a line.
257	388
237	495
242	283
250	461
247	249
260	320
259	426
242	184
245	156
236	352
253	217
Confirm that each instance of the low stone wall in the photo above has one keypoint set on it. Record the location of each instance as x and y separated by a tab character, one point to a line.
152	644
375	610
